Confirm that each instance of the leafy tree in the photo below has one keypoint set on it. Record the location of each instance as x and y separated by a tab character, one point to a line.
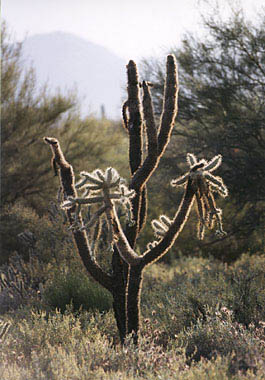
222	110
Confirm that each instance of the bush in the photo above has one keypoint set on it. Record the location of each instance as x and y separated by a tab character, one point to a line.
50	239
55	346
217	333
76	289
246	278
181	294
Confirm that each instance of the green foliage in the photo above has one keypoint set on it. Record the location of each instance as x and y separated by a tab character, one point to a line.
76	289
221	110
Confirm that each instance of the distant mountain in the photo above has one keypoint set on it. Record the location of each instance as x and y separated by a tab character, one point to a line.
68	61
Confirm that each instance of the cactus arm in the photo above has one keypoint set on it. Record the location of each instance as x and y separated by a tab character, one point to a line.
169	106
155	253
134	126
122	244
144	172
124	114
95	218
214	163
201	216
135	118
157	145
67	179
143	209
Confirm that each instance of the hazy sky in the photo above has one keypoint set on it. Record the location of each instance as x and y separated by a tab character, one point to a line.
130	28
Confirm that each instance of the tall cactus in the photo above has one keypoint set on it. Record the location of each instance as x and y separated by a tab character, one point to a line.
106	189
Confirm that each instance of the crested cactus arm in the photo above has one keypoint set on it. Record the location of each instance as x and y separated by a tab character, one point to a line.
175	228
169	106
67	179
143	173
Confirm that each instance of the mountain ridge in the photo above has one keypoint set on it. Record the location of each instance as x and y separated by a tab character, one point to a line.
68	61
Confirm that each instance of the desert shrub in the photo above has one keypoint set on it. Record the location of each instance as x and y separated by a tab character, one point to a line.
77	289
57	346
217	333
14	220
21	282
246	279
50	240
33	248
191	332
191	286
178	296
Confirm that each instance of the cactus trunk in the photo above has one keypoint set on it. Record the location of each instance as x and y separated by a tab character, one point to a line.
133	301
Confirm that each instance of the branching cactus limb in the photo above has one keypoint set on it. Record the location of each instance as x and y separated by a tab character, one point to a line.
165	228
196	187
122	244
105	182
154	252
181	216
67	181
157	138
